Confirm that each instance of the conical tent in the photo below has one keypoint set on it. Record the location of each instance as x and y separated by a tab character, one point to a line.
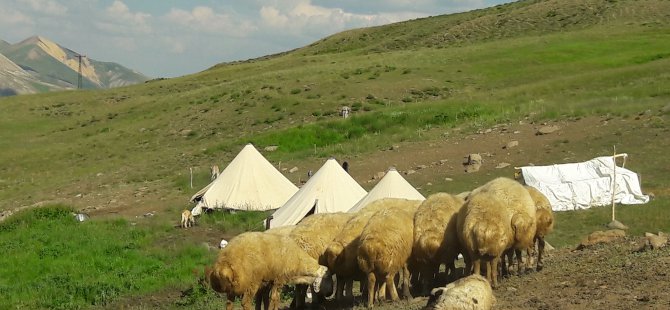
392	185
329	190
250	183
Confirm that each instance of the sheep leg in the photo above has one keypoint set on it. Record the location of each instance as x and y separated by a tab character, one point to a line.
371	289
349	285
300	294
230	300
493	267
274	297
339	293
540	251
390	284
246	300
405	282
519	261
476	266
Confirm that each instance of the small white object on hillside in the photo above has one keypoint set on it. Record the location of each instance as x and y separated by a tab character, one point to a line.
223	244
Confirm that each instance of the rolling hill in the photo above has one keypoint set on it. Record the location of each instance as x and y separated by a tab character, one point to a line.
405	82
51	64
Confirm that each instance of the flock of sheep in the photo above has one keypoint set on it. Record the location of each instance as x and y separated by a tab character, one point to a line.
391	239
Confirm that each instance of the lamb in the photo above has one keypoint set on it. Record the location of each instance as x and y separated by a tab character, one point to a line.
313	235
384	249
187	219
472	292
435	237
498	216
341	253
254	259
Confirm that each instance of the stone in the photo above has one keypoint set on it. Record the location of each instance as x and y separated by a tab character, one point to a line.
419	167
293	170
657	242
185	132
666	109
511	144
448	179
410	171
472	163
545	130
443	161
502	165
394	147
617	225
601	237
378	175
271	148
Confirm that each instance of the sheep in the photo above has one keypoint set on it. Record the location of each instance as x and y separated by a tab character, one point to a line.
384	248
472	292
313	235
254	259
498	216
544	219
187	219
435	237
341	253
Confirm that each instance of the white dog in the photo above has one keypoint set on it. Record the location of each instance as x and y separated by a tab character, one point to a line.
187	219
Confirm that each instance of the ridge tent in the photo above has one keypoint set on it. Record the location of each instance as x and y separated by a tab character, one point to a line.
392	185
329	190
587	184
249	183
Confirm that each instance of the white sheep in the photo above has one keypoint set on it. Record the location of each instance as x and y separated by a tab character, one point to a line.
435	237
253	259
341	253
384	249
498	216
472	292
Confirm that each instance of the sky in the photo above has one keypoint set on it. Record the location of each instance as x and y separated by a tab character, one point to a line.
169	38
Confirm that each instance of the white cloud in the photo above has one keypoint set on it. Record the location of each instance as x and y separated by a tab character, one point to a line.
12	17
119	19
48	7
205	19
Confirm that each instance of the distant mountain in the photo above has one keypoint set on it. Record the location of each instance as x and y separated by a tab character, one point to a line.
16	81
54	65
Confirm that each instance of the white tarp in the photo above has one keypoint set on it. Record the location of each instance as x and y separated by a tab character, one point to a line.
329	190
250	182
586	184
392	185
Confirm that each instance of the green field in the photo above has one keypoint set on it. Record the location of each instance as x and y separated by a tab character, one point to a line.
131	148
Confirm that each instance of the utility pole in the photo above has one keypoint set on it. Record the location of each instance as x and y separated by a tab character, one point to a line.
79	79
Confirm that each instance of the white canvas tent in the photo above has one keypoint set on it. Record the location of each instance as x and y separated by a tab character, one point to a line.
583	185
248	183
329	190
392	185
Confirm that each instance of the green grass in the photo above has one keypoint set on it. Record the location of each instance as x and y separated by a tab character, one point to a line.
59	263
573	226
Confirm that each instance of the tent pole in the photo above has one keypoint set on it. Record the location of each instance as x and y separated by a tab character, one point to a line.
614	224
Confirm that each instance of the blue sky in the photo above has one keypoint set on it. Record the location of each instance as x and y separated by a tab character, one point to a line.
168	38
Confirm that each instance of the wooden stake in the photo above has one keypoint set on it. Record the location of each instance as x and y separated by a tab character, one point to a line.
613	184
191	170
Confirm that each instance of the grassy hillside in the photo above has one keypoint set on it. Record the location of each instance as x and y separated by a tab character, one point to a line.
151	133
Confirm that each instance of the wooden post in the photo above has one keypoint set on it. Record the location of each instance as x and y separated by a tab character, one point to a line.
614	224
191	170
